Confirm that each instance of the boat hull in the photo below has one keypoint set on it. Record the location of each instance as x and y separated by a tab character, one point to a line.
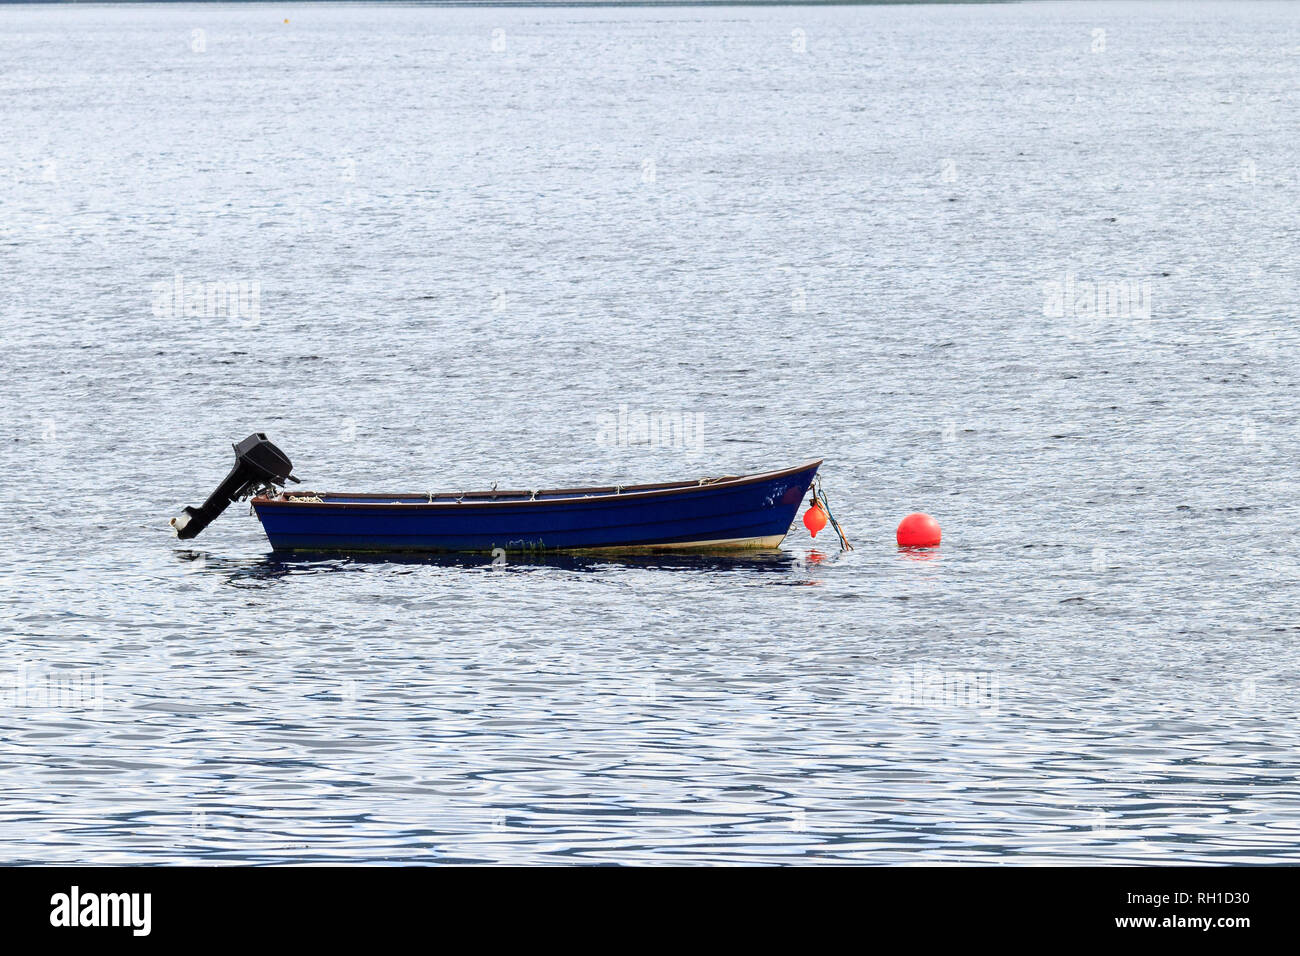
742	513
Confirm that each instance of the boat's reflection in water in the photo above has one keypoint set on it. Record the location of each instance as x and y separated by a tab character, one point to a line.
277	565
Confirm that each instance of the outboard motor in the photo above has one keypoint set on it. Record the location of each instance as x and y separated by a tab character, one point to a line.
259	466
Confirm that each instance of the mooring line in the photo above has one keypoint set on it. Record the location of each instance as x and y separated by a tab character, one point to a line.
820	495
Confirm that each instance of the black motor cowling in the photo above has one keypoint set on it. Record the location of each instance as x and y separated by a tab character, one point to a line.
258	464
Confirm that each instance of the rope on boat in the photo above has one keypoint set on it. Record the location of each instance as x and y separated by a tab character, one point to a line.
819	495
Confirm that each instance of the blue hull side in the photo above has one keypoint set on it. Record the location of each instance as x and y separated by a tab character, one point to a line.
757	513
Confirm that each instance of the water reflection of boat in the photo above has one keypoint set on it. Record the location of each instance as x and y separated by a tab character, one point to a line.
279	563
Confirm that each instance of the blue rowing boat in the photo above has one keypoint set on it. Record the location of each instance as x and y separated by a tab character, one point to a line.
734	512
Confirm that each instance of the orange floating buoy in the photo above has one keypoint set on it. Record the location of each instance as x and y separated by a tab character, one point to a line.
918	530
814	519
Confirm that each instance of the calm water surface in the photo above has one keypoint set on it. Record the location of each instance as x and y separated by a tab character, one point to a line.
475	235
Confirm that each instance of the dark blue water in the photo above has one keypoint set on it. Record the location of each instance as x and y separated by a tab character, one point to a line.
1035	279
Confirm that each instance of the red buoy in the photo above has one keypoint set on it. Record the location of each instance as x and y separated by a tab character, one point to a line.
814	519
918	530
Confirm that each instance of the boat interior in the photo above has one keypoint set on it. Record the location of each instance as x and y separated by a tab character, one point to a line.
554	494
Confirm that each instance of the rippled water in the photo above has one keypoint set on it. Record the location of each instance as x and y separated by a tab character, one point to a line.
817	231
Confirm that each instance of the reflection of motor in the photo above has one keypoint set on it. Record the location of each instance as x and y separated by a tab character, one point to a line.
258	464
